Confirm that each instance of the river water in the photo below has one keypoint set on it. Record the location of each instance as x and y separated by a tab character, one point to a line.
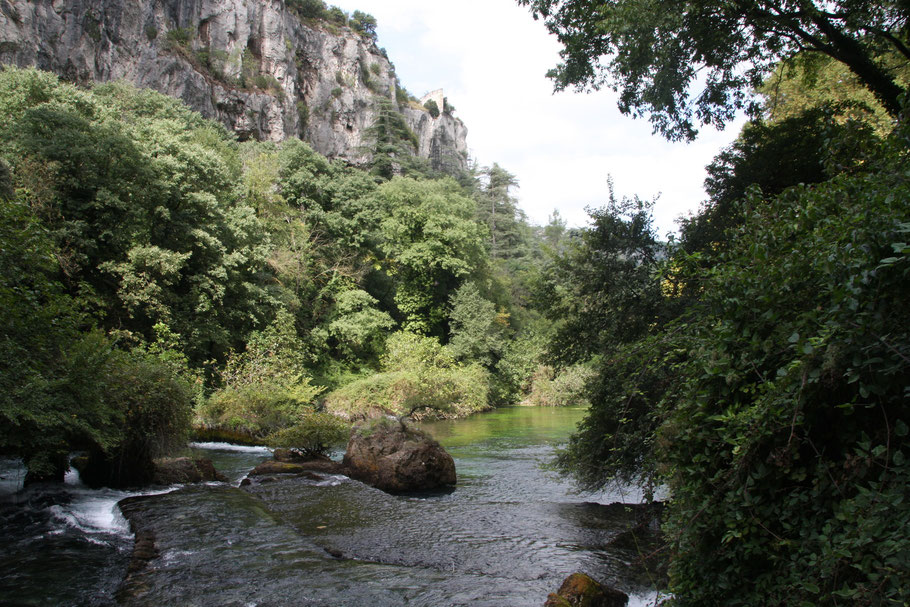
508	534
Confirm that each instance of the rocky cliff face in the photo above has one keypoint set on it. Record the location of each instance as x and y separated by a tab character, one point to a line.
251	64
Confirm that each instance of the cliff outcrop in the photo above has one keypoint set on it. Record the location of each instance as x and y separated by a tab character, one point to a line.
253	65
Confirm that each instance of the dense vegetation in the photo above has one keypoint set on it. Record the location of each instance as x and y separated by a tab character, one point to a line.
156	271
757	367
157	274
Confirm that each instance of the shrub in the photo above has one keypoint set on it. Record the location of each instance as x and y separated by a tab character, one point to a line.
308	9
179	37
154	404
337	92
336	15
265	387
419	379
432	107
313	435
568	388
258	410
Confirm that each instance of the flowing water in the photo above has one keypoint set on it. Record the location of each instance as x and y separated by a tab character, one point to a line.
507	535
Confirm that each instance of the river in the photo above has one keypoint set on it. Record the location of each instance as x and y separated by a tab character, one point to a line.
507	535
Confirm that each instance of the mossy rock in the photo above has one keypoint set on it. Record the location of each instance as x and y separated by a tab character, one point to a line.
580	590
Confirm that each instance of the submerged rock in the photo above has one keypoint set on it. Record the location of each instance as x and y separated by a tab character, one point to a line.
580	590
182	470
393	456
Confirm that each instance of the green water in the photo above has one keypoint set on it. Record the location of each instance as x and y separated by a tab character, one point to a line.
509	426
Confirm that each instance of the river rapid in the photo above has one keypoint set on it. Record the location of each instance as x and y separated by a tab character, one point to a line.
508	534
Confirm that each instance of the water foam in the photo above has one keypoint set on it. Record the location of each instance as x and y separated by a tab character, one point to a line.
232	447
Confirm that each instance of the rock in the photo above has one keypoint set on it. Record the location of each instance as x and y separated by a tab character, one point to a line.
310	80
288	455
395	457
182	470
579	590
324	466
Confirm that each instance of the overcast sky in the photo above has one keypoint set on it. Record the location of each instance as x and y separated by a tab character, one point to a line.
491	57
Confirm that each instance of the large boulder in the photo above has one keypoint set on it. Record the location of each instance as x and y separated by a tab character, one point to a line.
393	456
580	590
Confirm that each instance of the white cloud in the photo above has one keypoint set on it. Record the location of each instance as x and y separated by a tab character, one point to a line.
491	58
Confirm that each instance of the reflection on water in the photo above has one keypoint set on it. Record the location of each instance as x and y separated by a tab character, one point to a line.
507	535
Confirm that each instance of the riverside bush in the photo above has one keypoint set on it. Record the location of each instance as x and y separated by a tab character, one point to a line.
567	388
420	378
313	435
786	439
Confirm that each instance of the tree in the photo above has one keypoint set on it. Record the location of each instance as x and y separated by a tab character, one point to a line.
607	289
139	194
364	23
771	156
658	51
498	210
392	143
477	329
431	243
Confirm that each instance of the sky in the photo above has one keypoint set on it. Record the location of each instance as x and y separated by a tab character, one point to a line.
491	58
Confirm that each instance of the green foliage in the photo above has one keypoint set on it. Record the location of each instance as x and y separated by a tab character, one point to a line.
568	388
477	329
784	432
773	157
519	361
265	388
774	406
498	210
336	15
697	62
392	143
247	278
153	403
606	288
313	436
179	38
364	23
432	107
308	9
358	327
809	81
419	378
138	193
431	243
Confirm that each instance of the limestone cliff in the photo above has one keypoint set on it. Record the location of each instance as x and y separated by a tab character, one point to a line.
251	64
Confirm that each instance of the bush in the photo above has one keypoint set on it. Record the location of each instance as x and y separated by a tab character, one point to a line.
313	435
179	37
265	387
787	437
419	379
568	388
153	401
432	107
308	9
258	410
